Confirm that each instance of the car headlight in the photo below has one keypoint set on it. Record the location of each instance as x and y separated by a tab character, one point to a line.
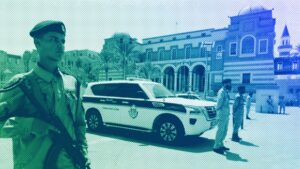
195	110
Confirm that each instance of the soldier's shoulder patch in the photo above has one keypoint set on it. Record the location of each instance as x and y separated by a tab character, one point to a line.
13	82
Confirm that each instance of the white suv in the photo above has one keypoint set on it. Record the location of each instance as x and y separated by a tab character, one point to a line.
146	106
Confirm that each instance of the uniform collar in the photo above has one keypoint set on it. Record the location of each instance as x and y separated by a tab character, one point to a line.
46	75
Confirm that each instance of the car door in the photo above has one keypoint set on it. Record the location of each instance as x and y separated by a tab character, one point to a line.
107	103
136	112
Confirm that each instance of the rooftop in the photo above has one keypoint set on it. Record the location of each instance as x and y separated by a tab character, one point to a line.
252	9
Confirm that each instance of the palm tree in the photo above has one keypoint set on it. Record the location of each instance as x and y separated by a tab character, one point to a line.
119	52
125	50
147	70
107	59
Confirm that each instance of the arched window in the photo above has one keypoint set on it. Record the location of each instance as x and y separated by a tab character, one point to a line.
248	45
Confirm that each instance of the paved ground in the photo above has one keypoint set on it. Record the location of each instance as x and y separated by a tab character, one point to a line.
270	141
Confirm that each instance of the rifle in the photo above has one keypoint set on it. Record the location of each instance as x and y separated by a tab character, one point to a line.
61	139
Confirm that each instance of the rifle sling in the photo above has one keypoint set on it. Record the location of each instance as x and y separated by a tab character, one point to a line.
69	147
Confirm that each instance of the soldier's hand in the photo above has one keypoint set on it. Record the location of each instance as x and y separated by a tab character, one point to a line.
40	127
3	109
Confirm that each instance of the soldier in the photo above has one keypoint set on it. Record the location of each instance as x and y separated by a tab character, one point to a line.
238	113
55	92
248	105
223	116
270	104
281	104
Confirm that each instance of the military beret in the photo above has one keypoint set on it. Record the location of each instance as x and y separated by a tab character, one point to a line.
47	26
226	81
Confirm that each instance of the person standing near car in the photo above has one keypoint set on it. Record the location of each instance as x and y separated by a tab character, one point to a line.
270	104
223	113
281	104
248	105
238	113
43	88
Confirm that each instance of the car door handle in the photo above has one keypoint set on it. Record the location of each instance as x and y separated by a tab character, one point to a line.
125	102
157	104
102	100
111	100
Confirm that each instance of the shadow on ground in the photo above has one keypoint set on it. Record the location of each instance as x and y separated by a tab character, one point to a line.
246	143
234	157
188	144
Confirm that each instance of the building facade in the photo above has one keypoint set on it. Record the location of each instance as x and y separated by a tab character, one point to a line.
82	64
10	65
118	57
198	61
287	70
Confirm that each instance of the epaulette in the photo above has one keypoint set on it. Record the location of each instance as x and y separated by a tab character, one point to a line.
65	72
13	83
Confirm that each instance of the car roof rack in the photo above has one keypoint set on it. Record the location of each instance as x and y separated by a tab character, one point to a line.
137	79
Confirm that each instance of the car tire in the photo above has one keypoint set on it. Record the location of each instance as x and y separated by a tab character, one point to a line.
169	131
94	120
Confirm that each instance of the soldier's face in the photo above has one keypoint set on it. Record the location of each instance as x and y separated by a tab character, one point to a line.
227	86
51	47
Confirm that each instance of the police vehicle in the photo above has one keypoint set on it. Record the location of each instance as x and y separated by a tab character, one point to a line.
146	106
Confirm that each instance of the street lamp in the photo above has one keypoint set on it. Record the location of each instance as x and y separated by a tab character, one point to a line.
124	50
208	48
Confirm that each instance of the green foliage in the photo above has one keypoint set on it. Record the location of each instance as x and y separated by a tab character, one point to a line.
119	53
148	71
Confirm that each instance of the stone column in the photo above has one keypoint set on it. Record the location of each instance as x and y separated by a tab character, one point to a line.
175	81
190	80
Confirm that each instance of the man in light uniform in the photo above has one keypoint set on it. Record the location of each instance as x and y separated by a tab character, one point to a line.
270	104
223	113
281	104
238	113
56	92
248	105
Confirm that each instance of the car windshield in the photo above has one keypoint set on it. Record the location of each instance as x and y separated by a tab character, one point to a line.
190	96
158	90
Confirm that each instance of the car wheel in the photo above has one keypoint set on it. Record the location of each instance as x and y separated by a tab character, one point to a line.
94	120
169	132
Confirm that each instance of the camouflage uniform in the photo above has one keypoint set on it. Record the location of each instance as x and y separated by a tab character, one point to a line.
30	136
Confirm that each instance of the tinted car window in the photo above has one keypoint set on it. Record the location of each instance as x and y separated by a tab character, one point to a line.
98	89
118	90
130	90
193	97
182	96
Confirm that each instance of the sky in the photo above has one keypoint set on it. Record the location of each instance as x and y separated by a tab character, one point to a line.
89	22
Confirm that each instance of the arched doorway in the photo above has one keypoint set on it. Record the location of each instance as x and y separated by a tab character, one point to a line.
198	80
168	80
183	79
